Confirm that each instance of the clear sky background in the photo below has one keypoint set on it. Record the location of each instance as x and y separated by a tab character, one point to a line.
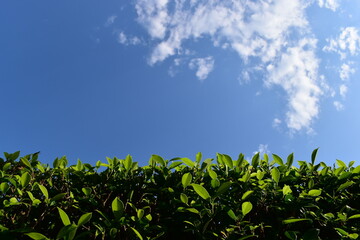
90	78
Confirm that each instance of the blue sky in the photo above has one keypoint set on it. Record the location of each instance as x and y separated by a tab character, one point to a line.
90	79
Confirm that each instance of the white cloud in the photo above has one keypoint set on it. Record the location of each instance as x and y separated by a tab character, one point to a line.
331	4
110	20
339	106
263	148
276	123
261	30
343	90
296	73
128	40
345	71
203	65
348	42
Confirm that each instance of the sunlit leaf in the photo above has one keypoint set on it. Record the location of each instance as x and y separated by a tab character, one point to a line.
278	159
314	192
201	191
186	179
188	162
246	207
117	207
44	191
295	220
275	174
84	219
36	236
246	194
137	233
25	179
64	217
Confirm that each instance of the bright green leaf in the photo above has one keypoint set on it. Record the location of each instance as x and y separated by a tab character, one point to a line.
117	207
255	160
286	190
159	160
25	179
345	185
212	173
201	191
228	161
184	198
340	163
44	191
128	162
354	216
84	219
140	213
275	174
186	179
64	217
278	159
314	192
246	207
290	160
188	162
232	214
4	187
36	236
137	233
26	162
294	220
246	194
86	191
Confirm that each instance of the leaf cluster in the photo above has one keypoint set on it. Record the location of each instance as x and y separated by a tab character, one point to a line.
180	198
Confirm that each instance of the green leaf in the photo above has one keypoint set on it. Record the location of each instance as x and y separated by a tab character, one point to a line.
232	215
36	236
246	194
198	157
26	162
25	179
356	170
201	191
345	185
128	162
159	160
117	207
313	155
188	162
314	192
184	198
290	160
137	233
311	234
340	163
286	190
227	160
84	219
67	232
140	213
86	191
186	179
342	232
275	174
212	173
246	207
64	217
4	187
354	216
255	160
6	166
44	191
174	165
278	159
295	220
291	235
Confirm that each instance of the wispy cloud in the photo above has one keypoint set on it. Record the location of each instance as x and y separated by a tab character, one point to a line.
338	106
203	66
345	71
128	40
348	42
260	30
110	20
263	148
331	4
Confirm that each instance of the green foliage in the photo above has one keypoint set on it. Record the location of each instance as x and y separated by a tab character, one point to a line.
217	198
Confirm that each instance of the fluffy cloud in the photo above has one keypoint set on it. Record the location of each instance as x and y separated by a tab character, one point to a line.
127	40
343	90
261	30
203	65
331	4
345	71
348	42
338	106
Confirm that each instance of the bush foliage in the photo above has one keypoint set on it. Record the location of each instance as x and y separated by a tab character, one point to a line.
217	198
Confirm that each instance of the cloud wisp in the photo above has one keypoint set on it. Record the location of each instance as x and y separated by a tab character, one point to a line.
273	36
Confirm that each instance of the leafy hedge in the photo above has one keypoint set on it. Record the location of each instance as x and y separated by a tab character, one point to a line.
179	199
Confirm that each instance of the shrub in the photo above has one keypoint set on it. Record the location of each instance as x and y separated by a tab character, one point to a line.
179	199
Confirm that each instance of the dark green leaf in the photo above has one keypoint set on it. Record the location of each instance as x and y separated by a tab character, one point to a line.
84	219
313	156
36	236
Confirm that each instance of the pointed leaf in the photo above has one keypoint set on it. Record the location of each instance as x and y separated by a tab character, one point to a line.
340	163
26	162
278	159
314	192
201	191
294	220
290	160
128	162
246	194
186	179
212	173
255	160
58	196
313	155
86	191
354	216
223	188
64	217
44	191
188	162
345	185
198	157
275	174
137	233
117	207
227	160
232	214
4	187
246	207
184	198
84	219
36	236
159	160
25	179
